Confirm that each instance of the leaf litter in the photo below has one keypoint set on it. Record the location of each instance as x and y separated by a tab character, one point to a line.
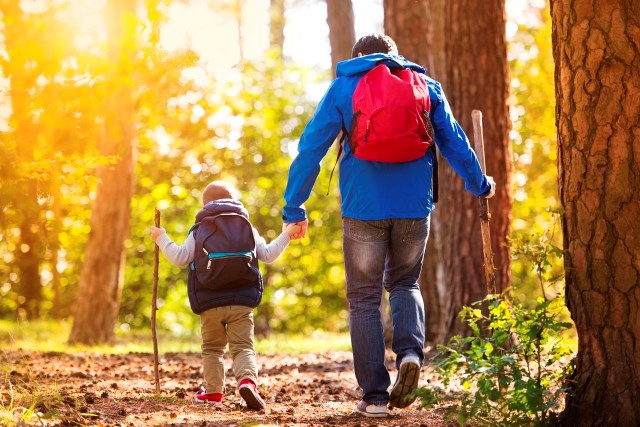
86	389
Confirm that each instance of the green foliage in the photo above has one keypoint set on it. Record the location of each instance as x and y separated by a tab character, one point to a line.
535	175
51	336
191	128
513	369
48	143
244	132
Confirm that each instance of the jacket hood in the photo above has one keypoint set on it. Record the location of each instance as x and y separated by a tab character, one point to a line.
365	63
221	206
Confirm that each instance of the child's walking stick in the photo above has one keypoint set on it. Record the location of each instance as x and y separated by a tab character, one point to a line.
489	269
154	306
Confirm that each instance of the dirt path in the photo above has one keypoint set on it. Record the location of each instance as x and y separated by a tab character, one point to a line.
118	390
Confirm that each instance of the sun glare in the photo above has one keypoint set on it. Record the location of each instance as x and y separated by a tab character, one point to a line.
89	26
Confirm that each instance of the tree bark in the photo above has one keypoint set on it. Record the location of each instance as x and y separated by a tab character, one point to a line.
342	35
596	50
100	286
471	64
403	22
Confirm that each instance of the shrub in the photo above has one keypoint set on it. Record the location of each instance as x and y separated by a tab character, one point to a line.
512	369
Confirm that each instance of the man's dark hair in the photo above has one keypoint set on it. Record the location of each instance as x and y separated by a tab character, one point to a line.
374	43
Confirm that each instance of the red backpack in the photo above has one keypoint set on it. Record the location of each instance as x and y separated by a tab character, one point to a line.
391	116
391	119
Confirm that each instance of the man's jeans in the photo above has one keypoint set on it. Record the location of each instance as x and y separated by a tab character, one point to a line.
388	252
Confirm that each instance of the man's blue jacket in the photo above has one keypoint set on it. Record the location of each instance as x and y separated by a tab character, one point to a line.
375	190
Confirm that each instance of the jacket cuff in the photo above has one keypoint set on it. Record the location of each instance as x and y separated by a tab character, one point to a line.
292	215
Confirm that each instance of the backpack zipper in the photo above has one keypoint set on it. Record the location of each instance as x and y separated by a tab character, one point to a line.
220	255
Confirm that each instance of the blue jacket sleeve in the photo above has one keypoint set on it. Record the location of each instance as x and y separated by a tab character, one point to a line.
454	144
316	139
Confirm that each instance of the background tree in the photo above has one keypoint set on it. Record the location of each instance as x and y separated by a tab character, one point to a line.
416	29
597	59
475	46
51	109
277	22
98	299
342	35
26	132
196	123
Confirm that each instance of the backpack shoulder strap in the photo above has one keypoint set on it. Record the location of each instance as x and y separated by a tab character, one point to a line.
340	150
435	187
193	227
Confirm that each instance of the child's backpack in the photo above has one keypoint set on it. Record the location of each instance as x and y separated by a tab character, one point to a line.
225	267
391	116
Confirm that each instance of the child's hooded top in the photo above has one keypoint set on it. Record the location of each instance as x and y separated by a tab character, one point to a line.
376	190
239	283
247	294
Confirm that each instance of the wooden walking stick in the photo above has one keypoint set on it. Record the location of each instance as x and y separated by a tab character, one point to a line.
489	268
154	306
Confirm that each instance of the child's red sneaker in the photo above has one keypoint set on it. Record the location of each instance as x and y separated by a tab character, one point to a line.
249	393
214	399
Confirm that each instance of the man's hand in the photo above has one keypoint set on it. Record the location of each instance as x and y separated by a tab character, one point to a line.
156	232
492	190
301	227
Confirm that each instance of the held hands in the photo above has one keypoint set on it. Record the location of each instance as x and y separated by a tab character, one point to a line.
156	232
492	190
296	230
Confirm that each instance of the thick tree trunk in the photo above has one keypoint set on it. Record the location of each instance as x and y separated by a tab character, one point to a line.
342	34
428	50
471	64
597	56
100	284
477	78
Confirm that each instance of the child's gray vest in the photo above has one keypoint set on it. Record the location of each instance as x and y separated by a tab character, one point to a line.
225	267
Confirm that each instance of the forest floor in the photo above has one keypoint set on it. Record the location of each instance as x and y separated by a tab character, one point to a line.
86	389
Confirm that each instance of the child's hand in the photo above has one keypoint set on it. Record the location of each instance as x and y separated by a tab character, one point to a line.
156	232
293	230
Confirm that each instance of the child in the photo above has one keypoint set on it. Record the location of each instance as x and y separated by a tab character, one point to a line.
225	286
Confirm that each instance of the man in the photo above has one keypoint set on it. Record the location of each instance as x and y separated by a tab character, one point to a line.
386	210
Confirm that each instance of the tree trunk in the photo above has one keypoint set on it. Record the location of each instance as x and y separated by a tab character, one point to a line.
30	249
403	22
471	64
597	59
100	284
342	35
276	24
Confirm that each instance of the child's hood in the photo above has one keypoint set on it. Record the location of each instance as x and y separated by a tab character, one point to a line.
222	206
365	63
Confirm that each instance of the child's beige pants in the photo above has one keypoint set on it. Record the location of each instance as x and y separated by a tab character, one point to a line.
232	324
